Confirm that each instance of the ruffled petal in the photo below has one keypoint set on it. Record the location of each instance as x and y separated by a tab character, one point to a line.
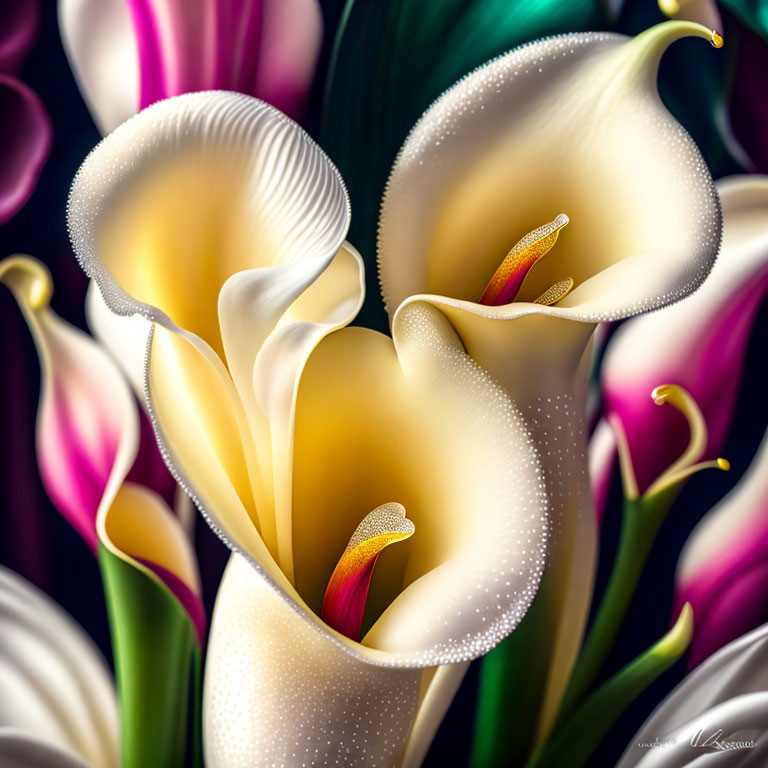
705	354
171	207
101	47
58	693
727	692
25	142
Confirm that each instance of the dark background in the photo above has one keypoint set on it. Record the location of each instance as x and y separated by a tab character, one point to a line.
36	541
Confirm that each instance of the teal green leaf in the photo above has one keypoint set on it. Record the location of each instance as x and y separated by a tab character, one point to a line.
153	641
752	13
573	744
391	60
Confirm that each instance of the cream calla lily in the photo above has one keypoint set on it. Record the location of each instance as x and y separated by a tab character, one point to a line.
59	707
217	219
568	125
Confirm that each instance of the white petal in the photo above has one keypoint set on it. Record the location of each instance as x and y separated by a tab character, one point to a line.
56	687
124	336
570	124
729	691
279	693
421	424
101	47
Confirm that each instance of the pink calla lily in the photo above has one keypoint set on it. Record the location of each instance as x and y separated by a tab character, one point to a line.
698	344
100	471
128	54
723	568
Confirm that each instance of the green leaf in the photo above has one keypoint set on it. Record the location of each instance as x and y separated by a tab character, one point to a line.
153	641
573	744
390	60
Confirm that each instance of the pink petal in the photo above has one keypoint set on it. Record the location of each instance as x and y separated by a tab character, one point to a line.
698	343
25	141
82	418
723	568
290	46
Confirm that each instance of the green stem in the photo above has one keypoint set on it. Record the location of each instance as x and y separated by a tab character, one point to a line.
153	640
641	520
575	741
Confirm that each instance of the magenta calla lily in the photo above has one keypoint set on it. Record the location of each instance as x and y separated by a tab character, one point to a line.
698	344
89	437
723	568
25	128
128	54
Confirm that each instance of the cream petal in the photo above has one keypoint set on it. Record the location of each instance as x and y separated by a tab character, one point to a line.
576	125
57	690
193	190
727	691
419	423
303	702
569	124
210	213
101	47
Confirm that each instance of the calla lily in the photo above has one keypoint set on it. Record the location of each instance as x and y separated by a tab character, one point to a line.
58	708
718	714
723	567
25	127
699	344
222	222
88	435
562	145
127	54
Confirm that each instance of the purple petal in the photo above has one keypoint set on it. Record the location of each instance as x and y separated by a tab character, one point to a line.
25	141
19	22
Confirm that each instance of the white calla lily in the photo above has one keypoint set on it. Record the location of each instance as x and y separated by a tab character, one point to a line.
567	130
215	217
58	707
722	703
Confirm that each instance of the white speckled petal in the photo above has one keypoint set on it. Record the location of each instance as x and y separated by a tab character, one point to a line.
279	693
419	423
571	124
57	691
729	691
212	214
101	47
